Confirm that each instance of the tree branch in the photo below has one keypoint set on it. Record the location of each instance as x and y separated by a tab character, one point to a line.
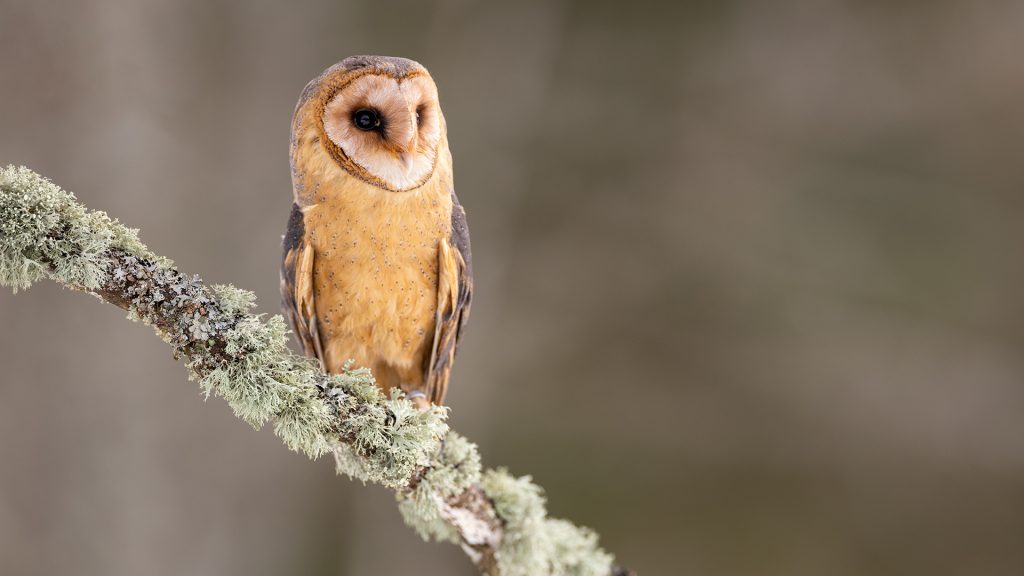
499	520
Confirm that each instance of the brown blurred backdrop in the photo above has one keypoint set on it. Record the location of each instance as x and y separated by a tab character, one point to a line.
749	289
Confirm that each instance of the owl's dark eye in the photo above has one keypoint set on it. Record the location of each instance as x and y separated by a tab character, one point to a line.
366	119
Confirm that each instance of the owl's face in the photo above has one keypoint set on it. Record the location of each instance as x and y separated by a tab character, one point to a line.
382	122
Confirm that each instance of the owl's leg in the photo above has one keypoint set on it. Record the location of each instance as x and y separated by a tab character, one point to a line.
410	380
389	377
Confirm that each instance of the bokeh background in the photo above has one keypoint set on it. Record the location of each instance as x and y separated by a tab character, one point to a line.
749	288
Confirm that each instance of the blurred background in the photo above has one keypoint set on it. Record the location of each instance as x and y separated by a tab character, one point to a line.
748	281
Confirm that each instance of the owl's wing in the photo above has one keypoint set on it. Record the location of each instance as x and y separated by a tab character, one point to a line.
454	295
297	285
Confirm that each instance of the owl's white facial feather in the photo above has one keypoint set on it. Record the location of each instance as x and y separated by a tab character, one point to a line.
403	151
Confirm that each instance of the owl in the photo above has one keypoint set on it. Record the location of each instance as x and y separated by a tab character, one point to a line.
377	265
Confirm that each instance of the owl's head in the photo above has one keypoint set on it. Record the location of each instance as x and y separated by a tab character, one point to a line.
377	117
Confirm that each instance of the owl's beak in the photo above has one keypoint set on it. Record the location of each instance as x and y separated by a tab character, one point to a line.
409	145
406	151
406	157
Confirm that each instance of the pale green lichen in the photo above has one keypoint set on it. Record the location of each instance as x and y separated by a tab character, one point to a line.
574	550
45	232
456	469
233	300
533	543
311	411
394	438
263	381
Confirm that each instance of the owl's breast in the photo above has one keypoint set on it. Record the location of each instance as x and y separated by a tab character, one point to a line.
375	273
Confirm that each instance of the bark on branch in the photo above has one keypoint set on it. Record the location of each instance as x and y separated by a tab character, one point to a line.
443	493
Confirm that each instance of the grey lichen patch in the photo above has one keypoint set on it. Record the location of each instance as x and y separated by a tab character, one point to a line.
180	307
230	353
533	543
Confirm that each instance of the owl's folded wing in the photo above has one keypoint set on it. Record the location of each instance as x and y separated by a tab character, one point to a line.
297	286
454	296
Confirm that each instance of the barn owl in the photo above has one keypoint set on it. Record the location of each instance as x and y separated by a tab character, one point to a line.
377	264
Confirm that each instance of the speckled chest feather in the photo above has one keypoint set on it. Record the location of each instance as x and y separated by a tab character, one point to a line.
376	271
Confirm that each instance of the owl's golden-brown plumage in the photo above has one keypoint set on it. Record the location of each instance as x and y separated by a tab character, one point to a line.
377	264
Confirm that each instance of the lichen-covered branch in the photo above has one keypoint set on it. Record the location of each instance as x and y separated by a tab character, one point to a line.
498	519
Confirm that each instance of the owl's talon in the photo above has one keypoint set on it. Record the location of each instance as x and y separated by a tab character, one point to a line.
418	398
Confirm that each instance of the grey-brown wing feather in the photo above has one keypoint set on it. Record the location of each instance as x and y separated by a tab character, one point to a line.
455	287
460	237
297	285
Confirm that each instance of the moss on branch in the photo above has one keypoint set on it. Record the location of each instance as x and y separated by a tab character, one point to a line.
500	520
